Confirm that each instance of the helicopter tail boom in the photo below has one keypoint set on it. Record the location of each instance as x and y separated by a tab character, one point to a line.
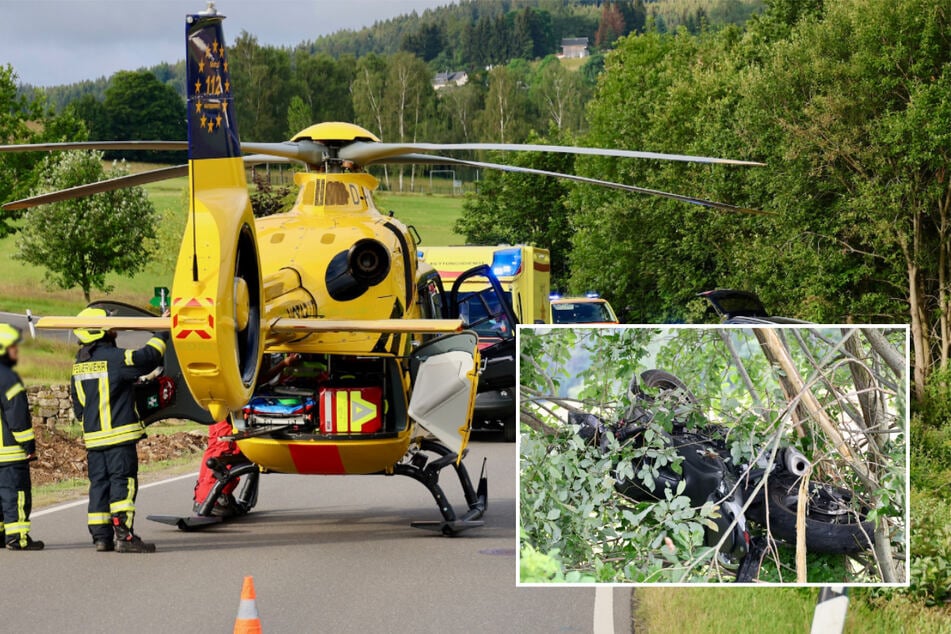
217	290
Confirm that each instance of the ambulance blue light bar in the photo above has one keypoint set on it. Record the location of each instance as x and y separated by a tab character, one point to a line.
507	262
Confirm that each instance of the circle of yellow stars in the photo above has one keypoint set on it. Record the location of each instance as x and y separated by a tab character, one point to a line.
214	56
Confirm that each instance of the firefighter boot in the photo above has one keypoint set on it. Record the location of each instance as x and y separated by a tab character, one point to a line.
104	545
129	542
24	542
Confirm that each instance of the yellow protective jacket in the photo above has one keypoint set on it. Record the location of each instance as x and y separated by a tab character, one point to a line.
102	390
16	436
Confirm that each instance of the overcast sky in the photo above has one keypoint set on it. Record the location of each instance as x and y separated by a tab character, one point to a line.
52	42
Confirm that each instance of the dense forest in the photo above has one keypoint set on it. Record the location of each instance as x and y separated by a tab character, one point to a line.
280	87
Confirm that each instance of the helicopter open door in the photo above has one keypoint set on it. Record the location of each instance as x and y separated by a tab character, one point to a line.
445	375
478	299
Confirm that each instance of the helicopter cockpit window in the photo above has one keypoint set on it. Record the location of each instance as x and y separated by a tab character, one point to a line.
482	312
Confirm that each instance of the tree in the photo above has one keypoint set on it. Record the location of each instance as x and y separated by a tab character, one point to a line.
260	77
862	129
559	95
461	104
651	256
367	92
513	208
506	106
298	116
137	106
80	241
855	140
17	173
93	114
611	26
323	84
426	43
409	97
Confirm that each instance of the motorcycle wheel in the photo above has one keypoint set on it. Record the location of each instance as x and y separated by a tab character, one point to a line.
667	381
832	525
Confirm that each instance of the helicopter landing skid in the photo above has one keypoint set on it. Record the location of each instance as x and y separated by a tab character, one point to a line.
191	523
427	473
245	500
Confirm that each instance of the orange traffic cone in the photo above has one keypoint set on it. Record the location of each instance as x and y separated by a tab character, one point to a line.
247	621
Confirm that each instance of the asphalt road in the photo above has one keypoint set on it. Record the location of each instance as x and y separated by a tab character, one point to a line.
327	554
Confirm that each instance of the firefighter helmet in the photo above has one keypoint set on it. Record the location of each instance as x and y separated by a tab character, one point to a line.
88	335
9	337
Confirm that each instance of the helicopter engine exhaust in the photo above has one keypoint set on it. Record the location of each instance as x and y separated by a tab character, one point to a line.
352	272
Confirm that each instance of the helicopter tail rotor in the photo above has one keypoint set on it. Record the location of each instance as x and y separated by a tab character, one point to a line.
217	292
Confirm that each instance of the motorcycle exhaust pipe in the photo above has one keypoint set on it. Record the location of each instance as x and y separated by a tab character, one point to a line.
795	462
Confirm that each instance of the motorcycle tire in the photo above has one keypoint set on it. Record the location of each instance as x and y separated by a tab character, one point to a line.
667	381
846	532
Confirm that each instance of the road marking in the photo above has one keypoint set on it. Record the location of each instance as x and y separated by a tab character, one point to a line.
603	610
85	501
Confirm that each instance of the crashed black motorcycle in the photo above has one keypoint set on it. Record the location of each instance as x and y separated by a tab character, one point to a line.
754	500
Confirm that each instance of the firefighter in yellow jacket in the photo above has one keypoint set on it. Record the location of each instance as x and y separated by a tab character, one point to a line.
104	401
17	447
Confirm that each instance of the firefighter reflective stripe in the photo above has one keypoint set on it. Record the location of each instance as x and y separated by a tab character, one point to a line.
12	454
98	519
158	343
155	342
99	372
127	504
14	390
80	393
24	436
109	436
22	525
105	404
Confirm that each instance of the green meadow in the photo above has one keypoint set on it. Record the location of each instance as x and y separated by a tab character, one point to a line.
22	286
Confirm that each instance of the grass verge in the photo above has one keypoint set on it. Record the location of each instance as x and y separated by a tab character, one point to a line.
778	611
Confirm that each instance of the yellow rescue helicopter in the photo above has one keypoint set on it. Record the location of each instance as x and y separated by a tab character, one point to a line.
387	374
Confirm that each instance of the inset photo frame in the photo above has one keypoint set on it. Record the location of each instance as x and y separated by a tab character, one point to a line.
682	455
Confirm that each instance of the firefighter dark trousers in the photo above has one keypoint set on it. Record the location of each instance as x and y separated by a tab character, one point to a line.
113	485
16	499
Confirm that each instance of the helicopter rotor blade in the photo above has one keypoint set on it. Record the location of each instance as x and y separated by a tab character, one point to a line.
96	145
364	153
305	151
428	159
299	151
131	180
258	159
98	187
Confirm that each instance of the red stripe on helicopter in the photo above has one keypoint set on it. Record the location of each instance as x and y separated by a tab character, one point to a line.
317	459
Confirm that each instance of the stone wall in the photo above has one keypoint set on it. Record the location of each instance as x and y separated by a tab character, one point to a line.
51	406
